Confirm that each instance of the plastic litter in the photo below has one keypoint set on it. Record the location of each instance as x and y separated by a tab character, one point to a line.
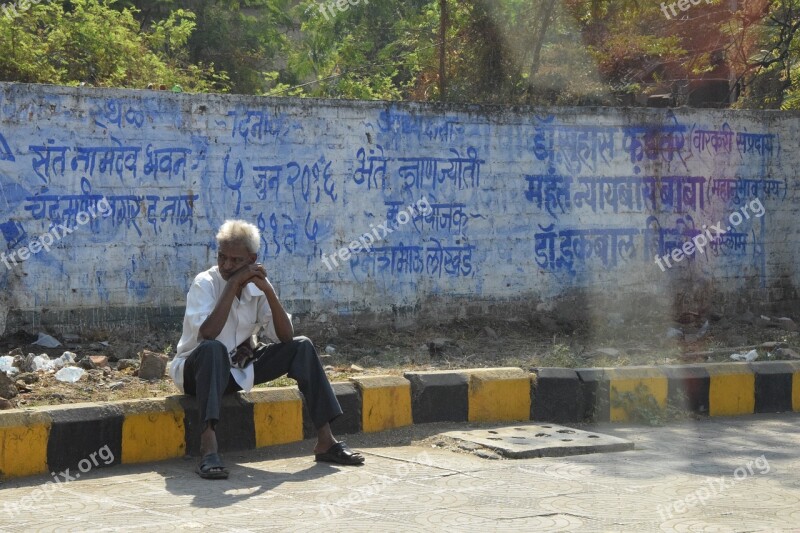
65	359
70	374
47	341
750	356
43	363
674	333
330	349
7	365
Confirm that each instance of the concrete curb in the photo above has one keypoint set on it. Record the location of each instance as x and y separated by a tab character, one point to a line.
557	395
54	439
439	396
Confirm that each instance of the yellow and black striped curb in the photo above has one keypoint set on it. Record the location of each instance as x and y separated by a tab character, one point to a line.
717	389
53	439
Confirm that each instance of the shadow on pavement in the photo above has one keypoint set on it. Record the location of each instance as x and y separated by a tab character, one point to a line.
243	483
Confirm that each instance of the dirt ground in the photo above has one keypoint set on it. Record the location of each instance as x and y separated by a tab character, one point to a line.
517	343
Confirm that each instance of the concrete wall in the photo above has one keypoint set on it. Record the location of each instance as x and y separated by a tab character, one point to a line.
530	207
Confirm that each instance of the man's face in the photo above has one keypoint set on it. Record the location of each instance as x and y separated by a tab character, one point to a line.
232	257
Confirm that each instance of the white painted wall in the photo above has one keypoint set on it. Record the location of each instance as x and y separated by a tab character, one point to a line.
173	167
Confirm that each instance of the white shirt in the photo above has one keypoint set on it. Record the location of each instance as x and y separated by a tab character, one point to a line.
248	314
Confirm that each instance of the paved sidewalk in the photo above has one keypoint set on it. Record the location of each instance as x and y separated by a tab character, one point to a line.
696	476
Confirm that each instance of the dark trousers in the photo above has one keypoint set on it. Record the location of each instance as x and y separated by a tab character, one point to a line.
207	375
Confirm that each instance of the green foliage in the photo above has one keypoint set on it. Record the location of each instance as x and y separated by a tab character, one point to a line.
172	33
768	54
564	52
244	38
562	356
792	100
367	51
91	42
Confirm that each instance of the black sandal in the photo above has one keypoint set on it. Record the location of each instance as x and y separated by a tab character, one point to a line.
211	467
341	454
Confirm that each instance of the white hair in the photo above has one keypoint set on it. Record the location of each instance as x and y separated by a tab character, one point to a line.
240	232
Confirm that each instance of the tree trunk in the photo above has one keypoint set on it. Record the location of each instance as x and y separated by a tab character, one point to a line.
543	21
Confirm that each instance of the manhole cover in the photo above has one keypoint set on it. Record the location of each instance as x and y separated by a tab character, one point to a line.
550	440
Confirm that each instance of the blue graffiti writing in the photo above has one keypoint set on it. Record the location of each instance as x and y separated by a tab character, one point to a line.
447	217
759	143
256	126
169	161
128	209
13	232
577	246
314	179
434	260
116	114
370	173
717	140
574	147
649	193
421	172
5	151
434	129
739	190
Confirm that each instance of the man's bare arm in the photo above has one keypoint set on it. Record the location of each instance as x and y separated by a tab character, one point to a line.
283	326
213	324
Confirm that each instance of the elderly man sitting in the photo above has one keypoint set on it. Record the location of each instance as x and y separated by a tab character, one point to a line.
217	354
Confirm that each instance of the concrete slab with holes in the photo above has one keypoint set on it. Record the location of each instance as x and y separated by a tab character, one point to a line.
546	440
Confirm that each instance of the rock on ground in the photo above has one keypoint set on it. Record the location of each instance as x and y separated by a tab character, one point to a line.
787	353
153	365
8	389
127	363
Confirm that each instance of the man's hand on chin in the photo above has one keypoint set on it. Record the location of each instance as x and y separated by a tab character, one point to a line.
253	272
259	278
263	284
